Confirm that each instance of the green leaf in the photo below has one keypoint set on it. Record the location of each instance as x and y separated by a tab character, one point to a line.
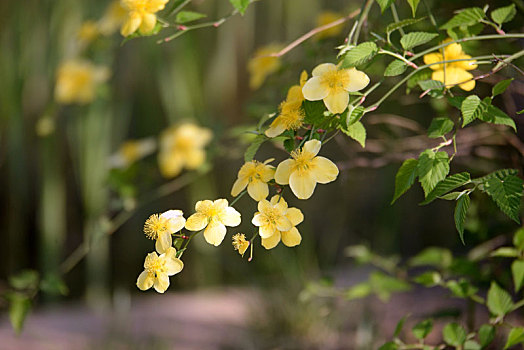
405	177
471	109
428	279
504	14
26	279
413	39
506	192
19	307
472	345
498	301
383	285
360	54
454	334
518	239
461	209
465	17
452	196
401	24
501	173
440	127
240	5
486	334
448	184
314	111
395	68
432	168
500	87
517	271
188	16
390	345
358	291
430	84
253	148
357	132
494	115
432	256
516	335
504	252
465	31
422	75
414	5
54	285
422	329
360	252
384	4
461	288
354	115
399	326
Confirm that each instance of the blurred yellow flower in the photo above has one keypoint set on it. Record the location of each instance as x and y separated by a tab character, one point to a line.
261	65
305	169
214	216
131	151
140	15
77	80
88	32
182	147
291	114
333	86
240	243
112	19
276	221
327	17
157	270
161	227
456	72
255	176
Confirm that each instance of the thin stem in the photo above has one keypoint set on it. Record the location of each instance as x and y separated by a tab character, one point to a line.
237	198
397	56
395	17
178	8
362	19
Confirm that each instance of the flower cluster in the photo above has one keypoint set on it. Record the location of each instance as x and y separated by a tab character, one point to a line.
77	81
141	15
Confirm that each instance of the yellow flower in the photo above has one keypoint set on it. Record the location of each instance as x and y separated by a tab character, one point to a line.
306	169
157	270
182	146
240	243
262	65
333	86
276	221
112	19
140	15
291	114
77	80
255	176
327	17
456	72
88	32
161	227
131	151
214	216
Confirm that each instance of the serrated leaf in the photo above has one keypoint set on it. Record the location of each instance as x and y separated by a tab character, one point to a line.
422	75
413	39
506	192
486	334
465	31
448	184
395	68
471	109
494	115
188	16
253	148
454	334
357	132
360	54
517	271
452	196
430	84
422	329
399	326
501	173
432	168
19	307
405	177
465	17
515	337
314	111
440	127
401	24
498	300
354	114
500	87
413	4
384	4
461	209
461	288
240	5
504	14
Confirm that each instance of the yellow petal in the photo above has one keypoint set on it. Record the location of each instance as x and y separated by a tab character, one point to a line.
161	282
357	80
303	78
220	204
284	224
271	241
302	184
283	171
267	173
323	68
452	51
196	222
277	198
258	219
215	233
163	243
431	58
276	128
131	24
337	102
324	170
239	186
175	219
264	206
203	206
258	190
468	86
170	164
461	77
314	90
266	231
312	146
174	266
148	23
145	280
295	94
230	217
295	216
466	65
292	237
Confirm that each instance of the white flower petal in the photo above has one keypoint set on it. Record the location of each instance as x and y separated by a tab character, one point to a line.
324	170
323	68
292	237
258	190
337	102
271	241
215	233
314	90
283	171
145	280
357	80
302	184
312	146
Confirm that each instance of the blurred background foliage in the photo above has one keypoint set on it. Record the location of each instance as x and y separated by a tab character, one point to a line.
59	195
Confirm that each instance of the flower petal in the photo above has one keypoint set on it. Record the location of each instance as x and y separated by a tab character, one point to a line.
174	266
161	282
131	24
314	90
276	128
239	186
283	171
220	204
324	170
292	237
258	219
215	233
196	222
357	80
203	206
148	23
312	146
263	206
145	280
466	65
323	68
302	184
431	58
295	216
266	231
230	217
284	224
258	190
337	102
267	173
271	241
176	221
195	158
163	243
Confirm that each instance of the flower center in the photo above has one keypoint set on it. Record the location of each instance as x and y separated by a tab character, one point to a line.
303	160
292	117
154	226
154	265
335	80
